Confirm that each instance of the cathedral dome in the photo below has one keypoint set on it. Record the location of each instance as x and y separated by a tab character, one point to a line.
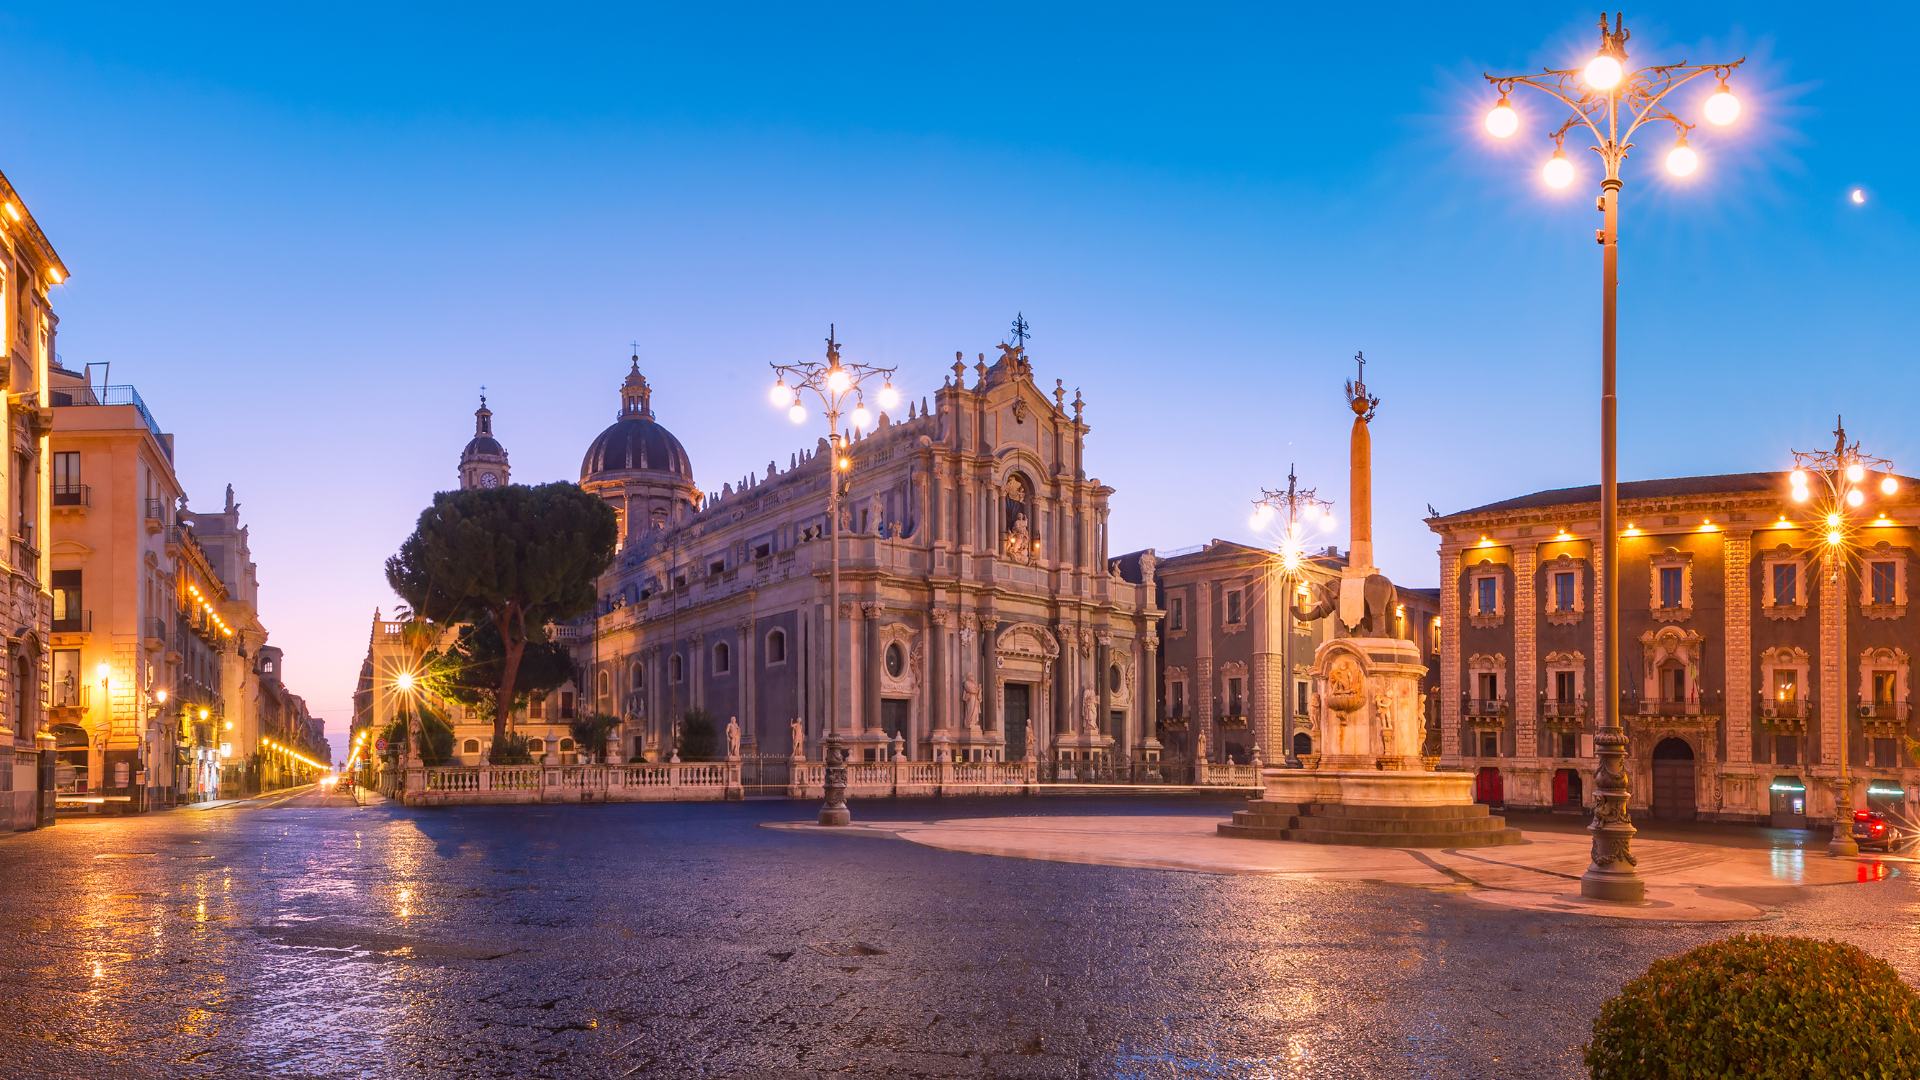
482	446
636	442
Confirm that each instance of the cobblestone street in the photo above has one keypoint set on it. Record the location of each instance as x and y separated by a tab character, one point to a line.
291	937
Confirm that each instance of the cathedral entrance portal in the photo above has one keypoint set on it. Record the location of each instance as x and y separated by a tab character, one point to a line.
1019	712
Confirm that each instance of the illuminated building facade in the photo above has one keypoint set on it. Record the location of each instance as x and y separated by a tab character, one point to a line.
981	618
1742	661
1228	685
29	268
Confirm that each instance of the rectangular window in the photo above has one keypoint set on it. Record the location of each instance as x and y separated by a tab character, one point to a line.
67	614
1569	744
1177	698
1563	590
1235	707
1883	575
1563	688
1489	744
1489	683
1786	584
1176	613
1886	753
1786	685
716	567
66	478
1301	688
1786	749
566	704
537	707
1672	586
761	551
1233	607
1486	596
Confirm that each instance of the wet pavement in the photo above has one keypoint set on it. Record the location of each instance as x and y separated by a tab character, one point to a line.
291	938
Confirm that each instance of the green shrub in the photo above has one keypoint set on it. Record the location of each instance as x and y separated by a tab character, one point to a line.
1762	1006
510	750
698	739
590	734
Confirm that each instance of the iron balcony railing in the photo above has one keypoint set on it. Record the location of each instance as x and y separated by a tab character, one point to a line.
1704	703
116	395
72	495
1485	706
156	629
1552	709
157	510
1773	708
1883	710
74	622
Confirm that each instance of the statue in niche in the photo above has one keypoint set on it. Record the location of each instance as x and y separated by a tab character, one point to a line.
970	703
1016	510
1345	689
1089	712
876	513
1018	544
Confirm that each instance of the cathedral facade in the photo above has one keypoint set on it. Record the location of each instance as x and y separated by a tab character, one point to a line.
980	616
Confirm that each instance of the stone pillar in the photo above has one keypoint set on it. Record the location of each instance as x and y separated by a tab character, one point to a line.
1833	661
1102	660
1452	629
1147	690
1203	668
1738	553
939	693
743	674
1526	655
1269	687
870	663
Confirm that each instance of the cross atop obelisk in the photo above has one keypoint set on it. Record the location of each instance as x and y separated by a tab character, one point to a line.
1360	465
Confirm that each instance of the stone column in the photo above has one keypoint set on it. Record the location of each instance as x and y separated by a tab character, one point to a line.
1526	655
744	675
871	661
1102	660
1147	692
939	694
1452	633
1738	554
1269	681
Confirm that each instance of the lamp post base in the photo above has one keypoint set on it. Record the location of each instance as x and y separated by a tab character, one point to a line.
1842	844
1614	886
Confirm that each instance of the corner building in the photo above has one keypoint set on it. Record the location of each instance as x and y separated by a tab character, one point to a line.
980	617
1742	662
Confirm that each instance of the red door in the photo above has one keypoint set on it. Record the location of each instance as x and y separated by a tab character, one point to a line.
1487	788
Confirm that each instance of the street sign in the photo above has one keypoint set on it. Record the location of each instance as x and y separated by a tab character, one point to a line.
380	745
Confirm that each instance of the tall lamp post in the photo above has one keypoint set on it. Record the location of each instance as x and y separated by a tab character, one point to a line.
837	387
1290	517
1612	103
1845	475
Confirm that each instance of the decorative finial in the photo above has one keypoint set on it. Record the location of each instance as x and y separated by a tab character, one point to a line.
1078	403
1363	403
959	367
1059	394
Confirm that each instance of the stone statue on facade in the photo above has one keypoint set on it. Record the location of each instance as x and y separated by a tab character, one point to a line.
876	513
798	733
733	738
970	702
1089	712
1018	543
1148	562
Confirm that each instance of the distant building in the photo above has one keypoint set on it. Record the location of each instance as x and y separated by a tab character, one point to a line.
1230	678
1741	662
29	267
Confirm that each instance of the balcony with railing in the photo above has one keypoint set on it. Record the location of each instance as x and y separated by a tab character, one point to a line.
156	515
115	395
156	631
1882	719
1570	713
26	555
72	496
1704	704
73	622
1484	710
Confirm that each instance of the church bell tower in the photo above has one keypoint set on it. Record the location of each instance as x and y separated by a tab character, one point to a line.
483	464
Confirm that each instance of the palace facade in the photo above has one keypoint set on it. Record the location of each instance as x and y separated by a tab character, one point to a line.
980	616
1743	661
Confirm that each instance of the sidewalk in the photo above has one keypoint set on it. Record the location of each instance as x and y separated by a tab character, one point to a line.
221	804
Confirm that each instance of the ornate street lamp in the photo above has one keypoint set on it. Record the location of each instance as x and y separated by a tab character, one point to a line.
1289	519
1612	103
836	386
1847	480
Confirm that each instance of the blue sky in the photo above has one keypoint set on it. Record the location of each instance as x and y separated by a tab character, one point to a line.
308	237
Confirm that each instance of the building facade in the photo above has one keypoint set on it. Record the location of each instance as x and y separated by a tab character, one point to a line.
1744	664
980	618
1237	665
29	268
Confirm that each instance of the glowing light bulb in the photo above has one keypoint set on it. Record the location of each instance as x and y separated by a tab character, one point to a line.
1681	160
1833	521
1262	514
1856	472
861	417
1603	72
1502	121
838	380
1888	485
797	413
889	397
1855	497
1799	478
1327	519
1801	494
1558	172
1834	537
781	395
1722	108
403	681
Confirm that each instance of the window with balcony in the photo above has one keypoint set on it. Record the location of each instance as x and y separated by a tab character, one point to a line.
1177	699
1565	686
68	693
68	615
1236	702
67	488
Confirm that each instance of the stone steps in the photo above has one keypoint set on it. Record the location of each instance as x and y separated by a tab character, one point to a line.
1467	825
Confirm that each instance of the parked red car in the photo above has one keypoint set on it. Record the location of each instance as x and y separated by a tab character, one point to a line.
1872	830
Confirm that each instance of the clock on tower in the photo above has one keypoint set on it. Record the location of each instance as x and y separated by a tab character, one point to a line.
483	464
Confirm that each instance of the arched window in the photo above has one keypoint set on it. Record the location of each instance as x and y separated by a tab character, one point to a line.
776	646
722	658
675	671
566	745
471	746
639	677
604	683
26	723
536	746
